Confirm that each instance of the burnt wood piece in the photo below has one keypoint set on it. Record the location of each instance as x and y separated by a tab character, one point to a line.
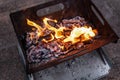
72	8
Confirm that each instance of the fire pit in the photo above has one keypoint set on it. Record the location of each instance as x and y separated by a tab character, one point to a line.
49	42
75	28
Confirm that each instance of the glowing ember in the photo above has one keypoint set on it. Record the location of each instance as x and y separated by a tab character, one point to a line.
57	39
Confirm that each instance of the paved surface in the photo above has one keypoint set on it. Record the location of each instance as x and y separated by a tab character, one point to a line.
10	65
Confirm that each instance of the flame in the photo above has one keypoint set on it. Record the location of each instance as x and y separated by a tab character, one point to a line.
85	32
77	34
58	32
61	47
39	28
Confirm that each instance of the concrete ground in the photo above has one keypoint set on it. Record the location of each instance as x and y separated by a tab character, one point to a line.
10	65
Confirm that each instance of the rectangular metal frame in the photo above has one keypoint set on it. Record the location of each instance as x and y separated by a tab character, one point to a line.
84	8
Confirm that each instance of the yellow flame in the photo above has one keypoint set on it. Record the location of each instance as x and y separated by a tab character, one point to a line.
77	32
58	32
61	47
39	28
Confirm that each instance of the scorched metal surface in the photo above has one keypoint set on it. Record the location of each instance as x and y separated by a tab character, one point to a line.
70	8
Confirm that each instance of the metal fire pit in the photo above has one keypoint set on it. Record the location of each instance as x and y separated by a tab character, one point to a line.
60	9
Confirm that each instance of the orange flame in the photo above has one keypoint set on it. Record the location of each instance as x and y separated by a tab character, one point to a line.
39	28
58	32
77	34
86	32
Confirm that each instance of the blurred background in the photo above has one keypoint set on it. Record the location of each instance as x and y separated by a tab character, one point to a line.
11	67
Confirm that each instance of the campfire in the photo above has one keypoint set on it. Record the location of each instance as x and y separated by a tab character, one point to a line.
53	38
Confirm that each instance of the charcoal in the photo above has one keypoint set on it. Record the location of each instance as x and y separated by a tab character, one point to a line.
56	55
47	56
79	45
77	20
39	51
65	21
98	36
52	58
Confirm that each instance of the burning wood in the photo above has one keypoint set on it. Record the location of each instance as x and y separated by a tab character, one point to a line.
48	42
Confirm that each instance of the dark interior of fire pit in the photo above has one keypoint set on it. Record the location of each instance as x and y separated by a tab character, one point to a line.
71	9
